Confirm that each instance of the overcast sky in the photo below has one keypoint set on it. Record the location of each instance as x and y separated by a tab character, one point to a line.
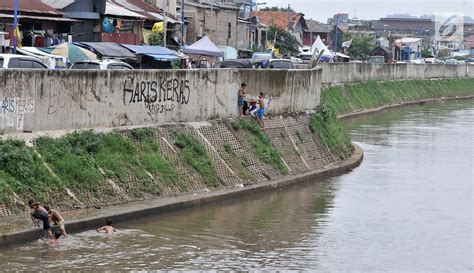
371	9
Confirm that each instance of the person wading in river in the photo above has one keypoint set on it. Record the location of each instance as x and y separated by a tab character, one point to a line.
40	214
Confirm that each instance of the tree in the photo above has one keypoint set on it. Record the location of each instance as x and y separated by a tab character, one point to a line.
360	47
156	39
285	42
444	53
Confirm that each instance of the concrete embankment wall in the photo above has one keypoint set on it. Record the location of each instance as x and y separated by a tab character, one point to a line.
339	73
361	97
51	100
83	170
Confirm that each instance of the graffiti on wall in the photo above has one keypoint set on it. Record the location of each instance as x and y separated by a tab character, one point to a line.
13	110
73	93
159	96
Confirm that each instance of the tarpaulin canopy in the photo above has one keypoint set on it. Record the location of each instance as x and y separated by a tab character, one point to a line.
159	53
107	49
204	47
73	52
318	45
142	49
163	57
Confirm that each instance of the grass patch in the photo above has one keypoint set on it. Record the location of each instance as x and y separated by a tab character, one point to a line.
371	94
261	144
195	154
77	159
23	172
327	126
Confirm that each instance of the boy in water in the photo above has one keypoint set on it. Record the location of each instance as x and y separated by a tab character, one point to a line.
108	228
54	241
261	110
40	214
57	219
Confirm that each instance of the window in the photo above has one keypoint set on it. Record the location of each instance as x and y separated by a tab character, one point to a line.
118	67
85	66
14	63
229	30
38	65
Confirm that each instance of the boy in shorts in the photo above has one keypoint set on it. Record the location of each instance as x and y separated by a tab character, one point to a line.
57	219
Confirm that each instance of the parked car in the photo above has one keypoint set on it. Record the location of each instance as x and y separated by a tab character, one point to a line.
236	63
20	61
102	65
278	64
461	62
417	61
470	60
451	61
258	58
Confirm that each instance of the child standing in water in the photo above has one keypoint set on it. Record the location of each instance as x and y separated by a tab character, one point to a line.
108	228
57	219
40	214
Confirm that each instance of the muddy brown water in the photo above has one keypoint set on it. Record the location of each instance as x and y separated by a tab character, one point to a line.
408	207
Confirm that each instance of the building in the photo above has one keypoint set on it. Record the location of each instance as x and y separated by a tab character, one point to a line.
290	21
404	27
340	19
35	20
327	33
216	20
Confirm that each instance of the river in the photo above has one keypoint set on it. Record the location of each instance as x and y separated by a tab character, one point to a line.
408	207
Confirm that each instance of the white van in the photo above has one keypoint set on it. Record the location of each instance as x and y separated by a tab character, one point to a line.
20	62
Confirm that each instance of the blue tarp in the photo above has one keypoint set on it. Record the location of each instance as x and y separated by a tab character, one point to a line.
163	57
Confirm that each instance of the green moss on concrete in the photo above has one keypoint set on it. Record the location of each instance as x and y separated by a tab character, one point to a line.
261	144
329	129
194	153
355	97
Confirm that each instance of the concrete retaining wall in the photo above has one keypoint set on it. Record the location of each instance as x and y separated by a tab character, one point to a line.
52	100
337	73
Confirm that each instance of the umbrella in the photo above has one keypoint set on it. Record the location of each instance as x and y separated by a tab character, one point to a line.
73	52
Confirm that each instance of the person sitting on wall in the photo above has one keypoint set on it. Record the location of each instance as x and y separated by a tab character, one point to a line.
242	98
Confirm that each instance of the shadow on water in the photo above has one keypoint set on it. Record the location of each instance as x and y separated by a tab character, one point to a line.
408	207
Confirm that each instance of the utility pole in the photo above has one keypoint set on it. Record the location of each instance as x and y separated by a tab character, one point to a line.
182	20
335	39
165	30
15	25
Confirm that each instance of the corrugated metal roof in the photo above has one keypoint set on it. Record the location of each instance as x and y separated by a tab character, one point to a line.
108	49
58	4
119	11
43	18
32	6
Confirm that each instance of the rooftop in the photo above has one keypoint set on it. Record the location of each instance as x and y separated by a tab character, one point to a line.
277	18
30	6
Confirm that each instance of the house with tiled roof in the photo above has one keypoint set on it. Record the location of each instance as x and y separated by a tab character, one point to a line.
293	22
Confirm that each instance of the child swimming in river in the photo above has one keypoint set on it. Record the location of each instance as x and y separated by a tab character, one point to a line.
54	240
108	228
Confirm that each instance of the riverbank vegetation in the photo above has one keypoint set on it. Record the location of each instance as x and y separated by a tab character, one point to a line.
261	144
325	124
355	97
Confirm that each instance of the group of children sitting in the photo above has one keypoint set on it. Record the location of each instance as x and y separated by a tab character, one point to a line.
256	107
45	214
